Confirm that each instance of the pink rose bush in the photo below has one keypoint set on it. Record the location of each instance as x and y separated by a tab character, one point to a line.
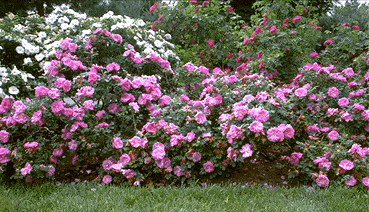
111	109
86	97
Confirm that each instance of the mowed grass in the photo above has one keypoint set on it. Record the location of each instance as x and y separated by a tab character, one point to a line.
89	197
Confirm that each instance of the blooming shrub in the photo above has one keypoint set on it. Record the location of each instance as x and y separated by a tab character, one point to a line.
336	99
280	42
110	111
201	31
99	87
36	39
343	49
15	82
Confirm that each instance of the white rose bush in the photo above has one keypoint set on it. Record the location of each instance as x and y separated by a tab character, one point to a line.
111	103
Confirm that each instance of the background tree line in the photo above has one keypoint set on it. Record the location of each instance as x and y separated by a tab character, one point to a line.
132	8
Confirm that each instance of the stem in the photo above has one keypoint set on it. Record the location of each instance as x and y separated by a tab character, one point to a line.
134	121
265	156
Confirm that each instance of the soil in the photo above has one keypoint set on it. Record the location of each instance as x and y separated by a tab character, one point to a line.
268	174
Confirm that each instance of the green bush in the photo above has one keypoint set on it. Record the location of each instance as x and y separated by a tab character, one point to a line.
352	12
201	32
131	8
280	41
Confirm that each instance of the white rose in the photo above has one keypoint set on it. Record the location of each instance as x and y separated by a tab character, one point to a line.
39	57
74	22
64	7
24	77
86	32
47	41
64	26
158	43
15	71
168	36
140	23
13	90
97	25
108	15
2	71
148	50
128	21
140	43
51	19
19	49
42	35
27	60
63	20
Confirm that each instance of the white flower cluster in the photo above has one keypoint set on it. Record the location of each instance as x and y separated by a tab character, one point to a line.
10	78
27	48
19	28
108	15
43	44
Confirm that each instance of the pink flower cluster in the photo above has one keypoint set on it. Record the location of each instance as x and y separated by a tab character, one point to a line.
295	158
4	136
158	151
358	152
323	163
279	133
27	169
234	132
4	155
346	164
137	142
246	150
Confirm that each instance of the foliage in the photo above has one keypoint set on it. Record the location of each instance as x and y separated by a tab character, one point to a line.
131	8
345	44
243	9
201	30
352	12
280	41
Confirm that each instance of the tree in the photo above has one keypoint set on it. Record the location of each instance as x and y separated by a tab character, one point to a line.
245	10
21	7
95	8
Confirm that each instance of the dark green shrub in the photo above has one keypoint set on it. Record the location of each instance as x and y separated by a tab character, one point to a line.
352	12
280	40
201	32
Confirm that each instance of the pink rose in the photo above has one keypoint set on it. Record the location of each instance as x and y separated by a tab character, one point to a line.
346	164
117	143
208	166
210	43
322	180
107	179
200	118
296	19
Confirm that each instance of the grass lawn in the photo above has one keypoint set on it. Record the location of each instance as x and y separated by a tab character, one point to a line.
95	197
